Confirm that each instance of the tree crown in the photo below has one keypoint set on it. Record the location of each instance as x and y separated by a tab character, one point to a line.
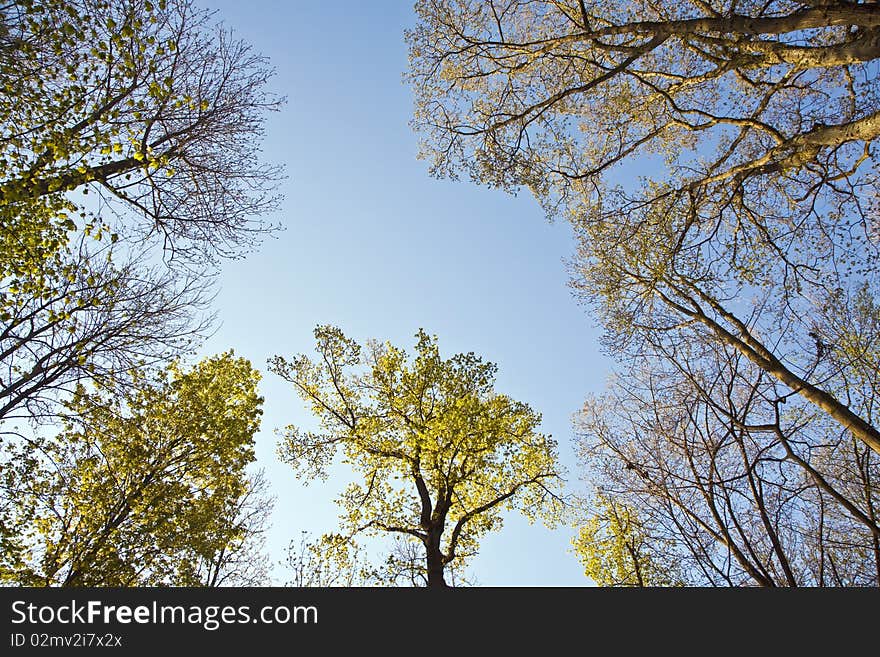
434	444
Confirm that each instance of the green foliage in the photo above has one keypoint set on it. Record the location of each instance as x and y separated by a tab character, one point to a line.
715	160
159	111
329	560
147	102
438	452
554	94
615	549
143	486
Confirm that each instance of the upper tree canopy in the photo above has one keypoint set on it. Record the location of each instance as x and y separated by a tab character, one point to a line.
158	110
149	101
552	94
764	216
439	452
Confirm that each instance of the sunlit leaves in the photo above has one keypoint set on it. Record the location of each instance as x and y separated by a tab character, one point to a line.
440	454
614	549
763	114
144	485
72	308
157	111
153	105
759	208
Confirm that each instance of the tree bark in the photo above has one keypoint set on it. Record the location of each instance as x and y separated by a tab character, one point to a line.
434	559
761	356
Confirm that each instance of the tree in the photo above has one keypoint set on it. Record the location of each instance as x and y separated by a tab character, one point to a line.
156	113
144	102
731	477
616	549
440	454
551	95
764	115
331	560
144	488
78	316
159	113
237	557
338	560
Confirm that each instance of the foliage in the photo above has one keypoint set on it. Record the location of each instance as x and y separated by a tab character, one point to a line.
144	486
553	94
715	159
439	453
716	162
615	548
144	102
156	114
81	316
330	560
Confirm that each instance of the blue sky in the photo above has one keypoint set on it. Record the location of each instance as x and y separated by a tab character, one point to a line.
375	246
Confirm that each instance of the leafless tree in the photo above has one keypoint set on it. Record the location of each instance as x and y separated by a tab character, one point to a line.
737	480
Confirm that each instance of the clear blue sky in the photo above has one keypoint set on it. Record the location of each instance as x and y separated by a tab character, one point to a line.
375	246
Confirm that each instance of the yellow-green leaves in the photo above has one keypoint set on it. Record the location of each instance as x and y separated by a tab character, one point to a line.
615	549
73	308
145	482
439	452
111	93
108	141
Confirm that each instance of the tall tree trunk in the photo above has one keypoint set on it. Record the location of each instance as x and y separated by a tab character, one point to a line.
434	559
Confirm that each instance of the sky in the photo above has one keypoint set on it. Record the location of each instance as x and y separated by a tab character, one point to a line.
374	245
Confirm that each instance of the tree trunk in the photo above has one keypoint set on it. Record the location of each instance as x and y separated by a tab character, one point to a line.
435	572
434	560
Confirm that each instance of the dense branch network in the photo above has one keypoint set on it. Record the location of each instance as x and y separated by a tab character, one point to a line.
439	453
